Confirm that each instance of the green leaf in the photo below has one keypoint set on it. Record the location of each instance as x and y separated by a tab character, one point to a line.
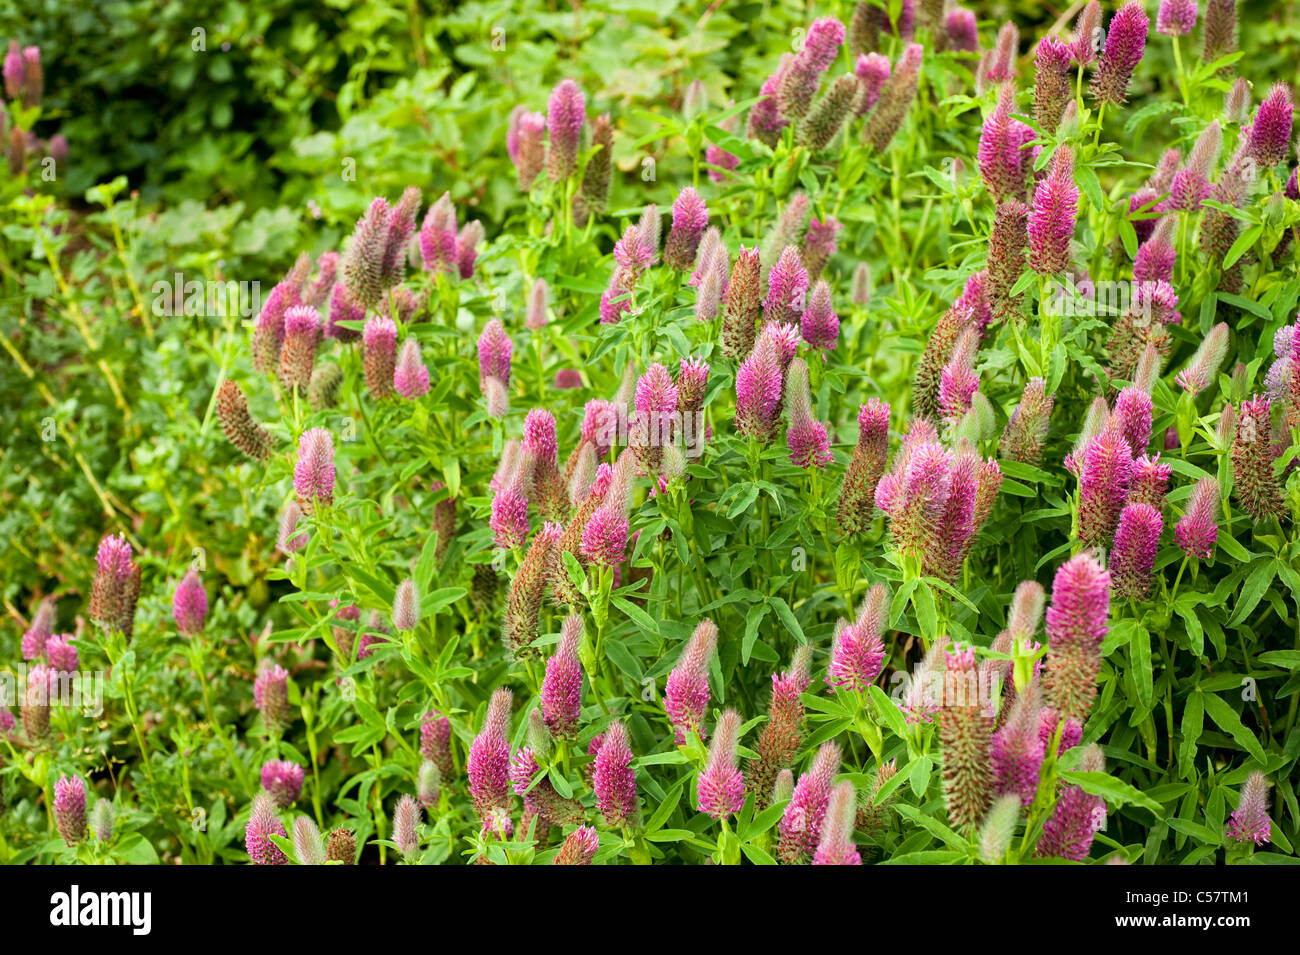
1193	723
1114	791
756	855
639	616
787	617
1253	590
888	711
1140	647
752	620
1227	720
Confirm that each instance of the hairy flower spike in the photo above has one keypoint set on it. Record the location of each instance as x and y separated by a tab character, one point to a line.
527	590
858	651
70	808
720	788
116	586
965	727
1026	431
801	824
262	824
1052	219
1004	155
488	765
613	779
1076	627
579	848
562	686
1068	834
760	382
1136	541
271	697
806	437
566	112
313	473
828	115
282	781
1255	484
895	100
1269	137
240	427
872	71
857	497
1104	481
410	375
190	604
1198	529
1051	82
686	694
1250	822
836	845
690	217
379	343
1220	29
1191	183
1126	40
819	244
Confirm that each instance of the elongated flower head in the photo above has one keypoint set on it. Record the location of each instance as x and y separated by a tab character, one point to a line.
760	382
308	843
857	497
406	825
1078	815
1004	156
70	808
801	824
1051	81
1133	410
1269	138
562	685
858	651
819	324
1076	626
494	351
1052	219
1088	35
836	844
1150	481
263	822
1204	365
998	828
410	375
1191	184
566	112
828	114
1255	484
529	152
742	308
965	727
1026	430
271	697
488	765
686	694
313	473
40	630
896	98
1220	29
960	30
721	786
613	779
806	436
116	586
1198	529
798	83
787	288
364	266
1250	822
435	741
1126	40
1002	66
1016	749
690	217
1136	542
102	818
1105	476
190	604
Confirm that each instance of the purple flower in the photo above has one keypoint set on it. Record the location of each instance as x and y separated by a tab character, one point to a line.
579	848
1269	137
494	351
271	697
1052	218
61	653
379	345
895	99
1220	29
836	844
1255	484
1191	184
282	781
857	497
1016	750
116	587
806	436
787	287
1156	256
262	824
960	30
1249	822
872	71
313	473
488	765
686	694
690	217
1136	541
1125	42
1002	66
1076	626
1198	529
1068	834
720	788
70	808
42	627
1133	409
525	141
1051	81
562	685
858	652
800	828
438	237
820	325
566	112
1104	481
406	826
1176	17
435	741
760	381
190	604
799	82
1088	34
613	779
1004	156
410	376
